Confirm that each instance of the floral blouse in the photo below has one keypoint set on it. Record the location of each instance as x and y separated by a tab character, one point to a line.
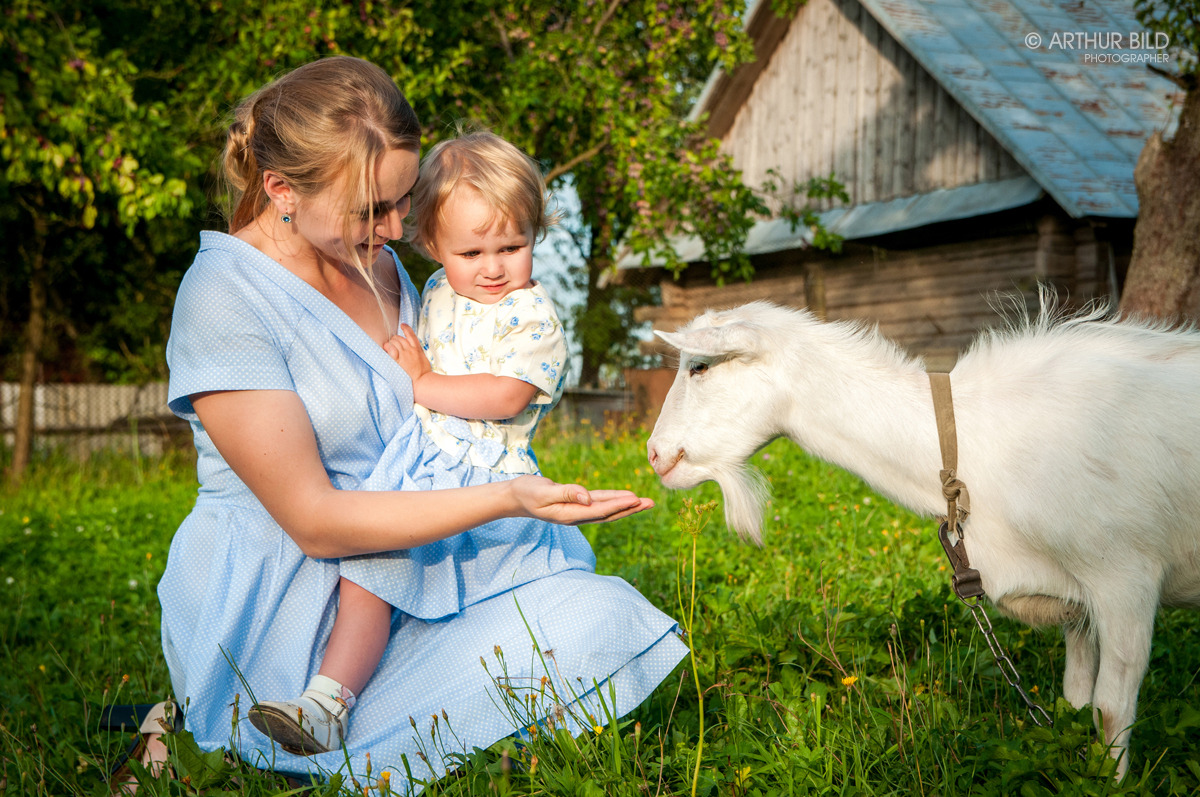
519	336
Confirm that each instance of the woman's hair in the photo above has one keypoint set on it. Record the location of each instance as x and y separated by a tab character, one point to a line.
332	117
507	179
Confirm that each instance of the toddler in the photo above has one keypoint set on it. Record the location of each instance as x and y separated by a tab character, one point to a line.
495	367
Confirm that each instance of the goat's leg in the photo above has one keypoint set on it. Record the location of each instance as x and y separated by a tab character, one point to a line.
1083	658
1123	618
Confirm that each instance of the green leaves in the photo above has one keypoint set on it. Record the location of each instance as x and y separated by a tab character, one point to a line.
74	137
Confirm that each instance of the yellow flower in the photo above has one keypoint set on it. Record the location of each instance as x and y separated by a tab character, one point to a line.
850	680
599	730
42	667
25	519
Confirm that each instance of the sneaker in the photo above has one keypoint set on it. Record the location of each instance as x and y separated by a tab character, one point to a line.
303	726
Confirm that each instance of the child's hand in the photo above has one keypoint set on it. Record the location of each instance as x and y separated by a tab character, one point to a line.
406	350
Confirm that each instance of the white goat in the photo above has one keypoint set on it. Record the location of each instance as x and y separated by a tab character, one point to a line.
1079	439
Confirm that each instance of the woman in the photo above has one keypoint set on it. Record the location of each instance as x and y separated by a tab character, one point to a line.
309	453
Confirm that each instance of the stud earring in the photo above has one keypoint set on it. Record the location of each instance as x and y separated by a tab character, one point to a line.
287	219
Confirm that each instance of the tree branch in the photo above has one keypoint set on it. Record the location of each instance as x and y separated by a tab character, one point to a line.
608	12
560	170
1185	82
503	33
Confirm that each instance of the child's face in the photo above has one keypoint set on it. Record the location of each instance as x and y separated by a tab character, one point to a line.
484	263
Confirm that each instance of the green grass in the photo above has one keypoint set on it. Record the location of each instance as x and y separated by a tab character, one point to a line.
833	660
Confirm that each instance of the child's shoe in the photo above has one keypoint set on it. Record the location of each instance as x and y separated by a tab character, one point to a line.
315	722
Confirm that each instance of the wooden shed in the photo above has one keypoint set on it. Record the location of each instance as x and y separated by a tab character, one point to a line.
983	150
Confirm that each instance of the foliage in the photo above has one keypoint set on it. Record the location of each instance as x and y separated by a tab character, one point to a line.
109	121
1179	19
86	161
833	660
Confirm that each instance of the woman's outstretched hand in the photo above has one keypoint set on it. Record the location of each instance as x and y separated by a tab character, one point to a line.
571	504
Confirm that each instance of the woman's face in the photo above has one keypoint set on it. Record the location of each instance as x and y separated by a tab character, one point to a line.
323	219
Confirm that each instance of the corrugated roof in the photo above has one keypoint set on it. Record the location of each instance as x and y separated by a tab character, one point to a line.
874	218
1077	125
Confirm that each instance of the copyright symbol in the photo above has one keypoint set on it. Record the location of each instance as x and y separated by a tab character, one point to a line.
1033	40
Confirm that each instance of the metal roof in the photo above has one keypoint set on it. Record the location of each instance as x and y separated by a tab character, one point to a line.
874	218
1073	111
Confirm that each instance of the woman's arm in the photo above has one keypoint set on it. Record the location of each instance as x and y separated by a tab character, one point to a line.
267	438
487	397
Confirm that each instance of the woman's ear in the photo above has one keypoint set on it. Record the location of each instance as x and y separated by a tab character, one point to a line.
279	192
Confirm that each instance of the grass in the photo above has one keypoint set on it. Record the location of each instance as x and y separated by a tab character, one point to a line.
833	660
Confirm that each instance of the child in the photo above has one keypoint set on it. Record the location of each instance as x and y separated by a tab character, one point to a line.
496	347
496	356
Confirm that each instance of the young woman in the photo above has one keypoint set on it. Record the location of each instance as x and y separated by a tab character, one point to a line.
310	453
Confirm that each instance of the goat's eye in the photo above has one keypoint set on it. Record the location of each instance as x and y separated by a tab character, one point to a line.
697	368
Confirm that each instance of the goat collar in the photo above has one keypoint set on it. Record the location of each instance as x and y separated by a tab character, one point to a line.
966	581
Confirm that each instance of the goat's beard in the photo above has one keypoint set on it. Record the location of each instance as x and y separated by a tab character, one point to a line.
745	491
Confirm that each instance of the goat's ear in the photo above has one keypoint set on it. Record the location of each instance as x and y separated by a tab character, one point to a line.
672	339
727	340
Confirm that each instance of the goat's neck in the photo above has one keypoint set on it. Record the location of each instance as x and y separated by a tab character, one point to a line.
874	417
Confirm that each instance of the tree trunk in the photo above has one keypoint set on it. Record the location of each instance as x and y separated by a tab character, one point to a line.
1164	272
595	342
35	336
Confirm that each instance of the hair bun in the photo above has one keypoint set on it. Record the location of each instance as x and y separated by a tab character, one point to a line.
240	165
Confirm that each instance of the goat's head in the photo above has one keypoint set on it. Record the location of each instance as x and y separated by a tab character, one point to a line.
722	407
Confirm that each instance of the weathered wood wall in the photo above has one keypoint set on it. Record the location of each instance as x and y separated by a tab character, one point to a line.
840	95
932	300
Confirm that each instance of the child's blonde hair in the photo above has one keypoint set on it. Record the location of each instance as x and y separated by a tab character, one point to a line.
507	179
333	117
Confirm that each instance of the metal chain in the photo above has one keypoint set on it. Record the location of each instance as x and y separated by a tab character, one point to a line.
1007	668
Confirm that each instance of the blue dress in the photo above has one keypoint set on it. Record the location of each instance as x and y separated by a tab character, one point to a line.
484	619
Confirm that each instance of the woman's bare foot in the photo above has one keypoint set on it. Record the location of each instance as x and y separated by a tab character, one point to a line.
154	759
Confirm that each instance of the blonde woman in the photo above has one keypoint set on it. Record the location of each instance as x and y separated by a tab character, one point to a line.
310	453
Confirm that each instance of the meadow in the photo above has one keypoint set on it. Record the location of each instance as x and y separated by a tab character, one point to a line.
832	660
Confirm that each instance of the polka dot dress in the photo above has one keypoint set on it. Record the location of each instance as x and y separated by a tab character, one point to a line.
497	630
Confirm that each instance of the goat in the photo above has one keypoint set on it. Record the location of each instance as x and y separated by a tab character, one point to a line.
1078	437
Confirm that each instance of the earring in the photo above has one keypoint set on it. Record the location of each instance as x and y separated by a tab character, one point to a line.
287	219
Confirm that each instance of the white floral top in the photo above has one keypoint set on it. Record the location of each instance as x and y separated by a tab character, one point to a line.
519	336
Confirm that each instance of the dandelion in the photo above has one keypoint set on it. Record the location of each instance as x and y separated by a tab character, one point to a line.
597	729
148	555
850	680
133	583
28	531
9	580
42	668
79	528
25	519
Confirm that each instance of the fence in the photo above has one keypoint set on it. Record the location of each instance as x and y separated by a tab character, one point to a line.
83	418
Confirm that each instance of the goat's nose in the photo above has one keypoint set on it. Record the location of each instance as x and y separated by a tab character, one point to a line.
662	466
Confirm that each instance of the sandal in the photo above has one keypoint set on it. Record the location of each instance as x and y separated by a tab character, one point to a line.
151	720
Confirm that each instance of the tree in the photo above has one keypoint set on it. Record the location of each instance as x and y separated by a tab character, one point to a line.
80	152
1164	272
114	111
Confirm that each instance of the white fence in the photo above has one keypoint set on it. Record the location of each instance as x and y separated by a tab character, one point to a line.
84	417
